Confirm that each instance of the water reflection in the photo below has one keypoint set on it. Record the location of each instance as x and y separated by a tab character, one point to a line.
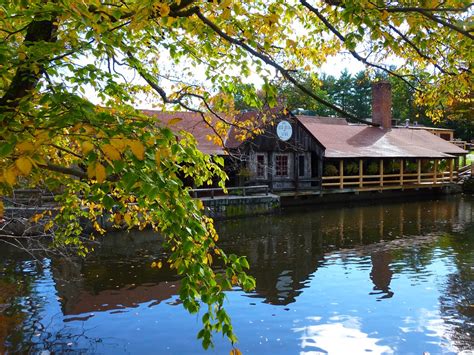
337	336
381	274
287	249
387	278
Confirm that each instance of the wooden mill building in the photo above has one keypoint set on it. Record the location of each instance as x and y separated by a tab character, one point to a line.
297	152
328	153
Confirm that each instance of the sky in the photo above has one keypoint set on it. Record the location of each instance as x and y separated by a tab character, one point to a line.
334	66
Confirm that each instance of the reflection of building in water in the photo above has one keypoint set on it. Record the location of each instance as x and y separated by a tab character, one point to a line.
85	289
284	250
381	274
117	277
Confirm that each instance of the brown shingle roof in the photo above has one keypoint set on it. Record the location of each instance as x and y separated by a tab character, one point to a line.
355	141
193	123
325	120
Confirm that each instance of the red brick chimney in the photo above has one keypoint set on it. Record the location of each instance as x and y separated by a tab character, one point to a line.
382	104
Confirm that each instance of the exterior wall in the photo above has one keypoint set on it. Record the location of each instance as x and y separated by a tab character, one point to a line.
283	182
269	146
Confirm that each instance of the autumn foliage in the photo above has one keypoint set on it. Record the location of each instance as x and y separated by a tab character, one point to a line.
72	74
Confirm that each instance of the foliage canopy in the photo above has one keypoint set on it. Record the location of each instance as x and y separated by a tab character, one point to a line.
72	73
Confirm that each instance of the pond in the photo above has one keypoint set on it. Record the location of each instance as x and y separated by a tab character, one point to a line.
394	277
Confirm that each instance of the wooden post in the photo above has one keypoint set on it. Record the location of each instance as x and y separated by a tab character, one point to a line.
418	170
296	172
435	171
451	168
402	168
320	173
381	172
270	170
361	173
341	174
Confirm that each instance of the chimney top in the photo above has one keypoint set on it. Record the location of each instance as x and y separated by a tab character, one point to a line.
382	104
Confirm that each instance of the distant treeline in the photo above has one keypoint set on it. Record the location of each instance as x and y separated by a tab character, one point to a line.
353	94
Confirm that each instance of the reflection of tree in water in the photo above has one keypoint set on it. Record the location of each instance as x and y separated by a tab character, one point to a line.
23	328
457	300
284	250
381	274
16	278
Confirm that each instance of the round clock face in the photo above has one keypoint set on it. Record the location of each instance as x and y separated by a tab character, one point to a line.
284	130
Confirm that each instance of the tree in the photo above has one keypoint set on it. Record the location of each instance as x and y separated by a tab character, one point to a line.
57	56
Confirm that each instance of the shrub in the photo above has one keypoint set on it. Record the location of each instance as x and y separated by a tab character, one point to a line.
330	170
426	166
351	168
373	168
393	166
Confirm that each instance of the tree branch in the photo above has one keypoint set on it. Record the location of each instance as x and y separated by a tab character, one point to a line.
445	23
26	78
418	51
63	170
267	60
356	55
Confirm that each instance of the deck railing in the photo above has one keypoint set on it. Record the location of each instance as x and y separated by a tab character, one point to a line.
391	180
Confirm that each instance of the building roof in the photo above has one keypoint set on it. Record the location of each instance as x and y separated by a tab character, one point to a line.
193	123
340	139
358	141
426	128
325	120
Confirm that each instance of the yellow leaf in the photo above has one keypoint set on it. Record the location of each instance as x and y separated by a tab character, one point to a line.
209	257
111	152
100	172
151	141
128	218
199	204
153	264
24	165
37	217
21	56
158	157
117	218
235	351
91	171
25	147
97	226
87	147
234	280
174	121
137	148
164	10
119	144
48	225
384	15
159	264
10	176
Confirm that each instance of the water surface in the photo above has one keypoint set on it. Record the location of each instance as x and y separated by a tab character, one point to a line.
395	277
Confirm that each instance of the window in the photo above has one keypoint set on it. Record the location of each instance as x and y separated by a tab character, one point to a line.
260	165
445	136
301	165
281	165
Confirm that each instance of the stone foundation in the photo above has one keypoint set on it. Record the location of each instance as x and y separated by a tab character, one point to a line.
240	206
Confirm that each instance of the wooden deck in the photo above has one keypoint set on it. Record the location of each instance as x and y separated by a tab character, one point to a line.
382	181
